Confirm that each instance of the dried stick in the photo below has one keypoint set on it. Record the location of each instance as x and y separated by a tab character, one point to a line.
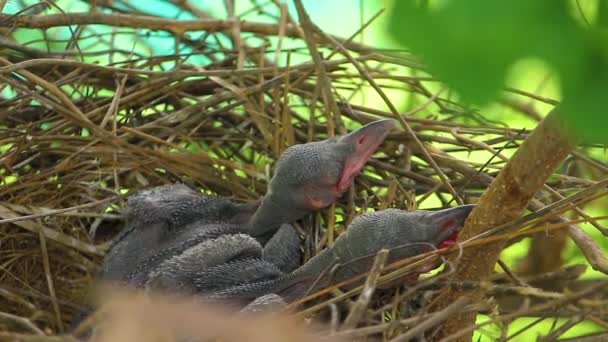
503	201
358	309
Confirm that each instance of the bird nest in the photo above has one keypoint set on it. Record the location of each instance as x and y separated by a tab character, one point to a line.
95	111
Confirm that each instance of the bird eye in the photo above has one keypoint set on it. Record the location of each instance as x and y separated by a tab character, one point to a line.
361	140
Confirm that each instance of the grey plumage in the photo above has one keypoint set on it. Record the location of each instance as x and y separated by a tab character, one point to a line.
269	302
235	273
283	249
166	224
404	233
179	271
137	273
157	218
178	239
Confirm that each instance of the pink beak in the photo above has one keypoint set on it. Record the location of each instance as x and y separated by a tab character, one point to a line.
365	141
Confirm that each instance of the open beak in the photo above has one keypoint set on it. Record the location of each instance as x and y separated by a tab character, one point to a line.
449	222
365	141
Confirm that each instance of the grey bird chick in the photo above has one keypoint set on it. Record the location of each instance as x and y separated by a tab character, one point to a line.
179	239
160	215
167	221
404	233
312	176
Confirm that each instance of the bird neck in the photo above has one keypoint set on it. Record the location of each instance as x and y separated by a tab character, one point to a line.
245	212
333	265
310	277
271	213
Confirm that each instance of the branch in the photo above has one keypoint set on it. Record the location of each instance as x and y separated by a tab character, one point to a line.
437	318
504	200
136	21
358	309
51	234
156	23
324	83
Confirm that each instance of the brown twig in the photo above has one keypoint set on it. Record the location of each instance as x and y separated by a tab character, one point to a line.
358	309
502	202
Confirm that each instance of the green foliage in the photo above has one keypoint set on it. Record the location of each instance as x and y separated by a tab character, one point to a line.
526	329
472	44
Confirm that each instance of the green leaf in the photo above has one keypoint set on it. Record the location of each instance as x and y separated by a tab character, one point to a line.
470	45
586	91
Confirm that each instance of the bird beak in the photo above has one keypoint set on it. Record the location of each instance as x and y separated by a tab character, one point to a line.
365	141
449	222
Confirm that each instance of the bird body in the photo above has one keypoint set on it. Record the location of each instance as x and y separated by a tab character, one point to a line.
175	235
248	254
403	233
164	218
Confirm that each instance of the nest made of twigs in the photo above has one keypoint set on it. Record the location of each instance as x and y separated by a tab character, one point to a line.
106	115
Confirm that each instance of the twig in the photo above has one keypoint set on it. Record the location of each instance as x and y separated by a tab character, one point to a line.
21	322
434	320
358	309
49	279
52	234
309	28
52	212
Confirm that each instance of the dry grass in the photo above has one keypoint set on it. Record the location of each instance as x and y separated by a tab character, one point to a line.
76	136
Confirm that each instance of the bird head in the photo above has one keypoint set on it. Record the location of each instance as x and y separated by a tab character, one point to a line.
404	233
312	176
